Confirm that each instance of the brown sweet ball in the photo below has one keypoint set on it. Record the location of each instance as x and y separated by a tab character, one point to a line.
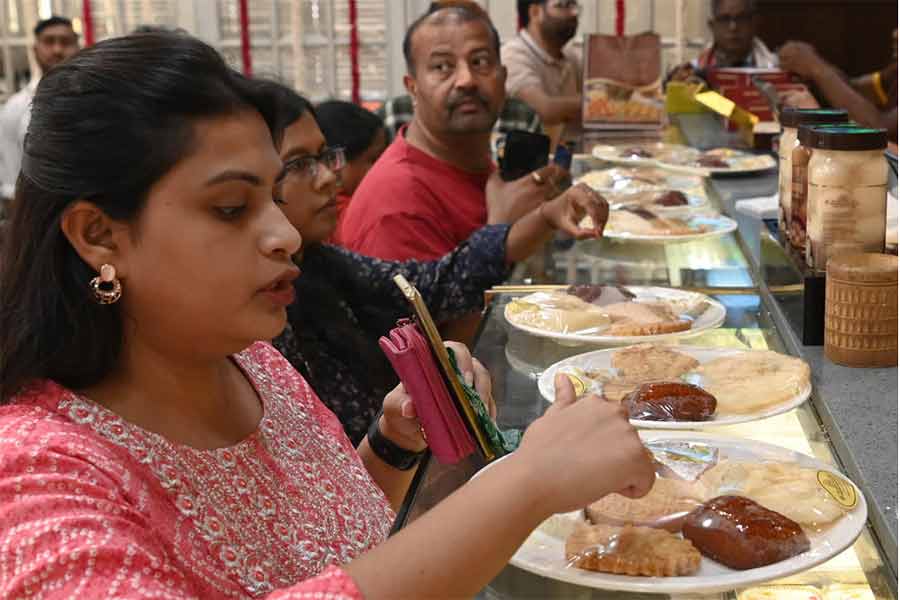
741	534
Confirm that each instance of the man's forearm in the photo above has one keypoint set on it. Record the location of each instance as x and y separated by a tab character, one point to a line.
839	93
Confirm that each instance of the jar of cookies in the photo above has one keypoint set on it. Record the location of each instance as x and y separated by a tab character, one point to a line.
791	120
796	225
847	193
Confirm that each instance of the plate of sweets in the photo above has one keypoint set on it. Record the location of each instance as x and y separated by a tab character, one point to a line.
614	315
666	386
723	514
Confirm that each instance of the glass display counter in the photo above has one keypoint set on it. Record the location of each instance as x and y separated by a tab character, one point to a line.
758	304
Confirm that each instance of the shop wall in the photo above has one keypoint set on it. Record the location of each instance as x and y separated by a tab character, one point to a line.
855	35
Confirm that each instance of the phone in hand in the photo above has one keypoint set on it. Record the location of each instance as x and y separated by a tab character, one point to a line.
521	153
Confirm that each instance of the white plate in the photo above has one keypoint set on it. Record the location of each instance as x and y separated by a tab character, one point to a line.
712	318
720	225
751	163
601	359
613	154
631	180
543	553
741	162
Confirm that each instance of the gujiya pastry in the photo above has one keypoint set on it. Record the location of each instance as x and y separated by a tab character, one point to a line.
743	515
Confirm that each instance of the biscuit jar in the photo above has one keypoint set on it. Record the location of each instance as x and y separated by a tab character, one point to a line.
791	120
847	193
861	310
796	225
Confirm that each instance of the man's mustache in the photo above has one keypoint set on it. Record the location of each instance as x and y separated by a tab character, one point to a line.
458	99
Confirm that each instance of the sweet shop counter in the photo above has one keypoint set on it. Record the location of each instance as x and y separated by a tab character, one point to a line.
787	419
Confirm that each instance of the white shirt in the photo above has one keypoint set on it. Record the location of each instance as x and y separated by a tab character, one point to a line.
14	118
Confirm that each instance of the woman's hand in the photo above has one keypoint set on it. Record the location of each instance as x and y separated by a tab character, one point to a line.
580	451
566	211
399	422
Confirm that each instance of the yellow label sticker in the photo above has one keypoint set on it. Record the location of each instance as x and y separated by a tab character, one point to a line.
579	385
843	492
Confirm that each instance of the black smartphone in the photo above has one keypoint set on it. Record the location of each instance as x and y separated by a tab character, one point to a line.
521	153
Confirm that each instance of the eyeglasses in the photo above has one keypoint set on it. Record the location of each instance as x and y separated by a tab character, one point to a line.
741	20
334	159
569	5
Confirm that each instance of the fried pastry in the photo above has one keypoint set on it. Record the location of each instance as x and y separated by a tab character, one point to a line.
665	506
670	401
741	534
643	318
785	488
651	362
752	381
631	551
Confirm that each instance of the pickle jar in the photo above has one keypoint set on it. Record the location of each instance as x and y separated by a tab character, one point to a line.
791	120
796	226
847	193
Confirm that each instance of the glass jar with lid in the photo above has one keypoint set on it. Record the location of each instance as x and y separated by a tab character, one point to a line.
847	193
791	120
796	226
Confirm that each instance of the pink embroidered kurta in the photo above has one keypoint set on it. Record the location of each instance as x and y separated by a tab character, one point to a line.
92	506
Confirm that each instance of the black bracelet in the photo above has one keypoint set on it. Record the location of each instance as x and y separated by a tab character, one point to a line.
397	457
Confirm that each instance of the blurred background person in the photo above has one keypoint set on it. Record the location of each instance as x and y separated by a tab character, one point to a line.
541	70
363	137
54	41
734	25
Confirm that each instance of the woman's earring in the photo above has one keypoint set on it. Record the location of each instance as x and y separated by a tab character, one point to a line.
107	288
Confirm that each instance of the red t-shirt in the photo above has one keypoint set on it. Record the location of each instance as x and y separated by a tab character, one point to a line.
412	205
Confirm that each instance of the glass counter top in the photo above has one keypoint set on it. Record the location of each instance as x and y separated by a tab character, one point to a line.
718	267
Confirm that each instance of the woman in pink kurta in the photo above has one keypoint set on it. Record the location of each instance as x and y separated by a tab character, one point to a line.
150	446
102	508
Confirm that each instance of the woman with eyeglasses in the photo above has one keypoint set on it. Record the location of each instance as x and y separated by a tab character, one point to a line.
150	445
334	342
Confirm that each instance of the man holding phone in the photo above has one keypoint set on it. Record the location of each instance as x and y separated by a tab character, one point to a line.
430	190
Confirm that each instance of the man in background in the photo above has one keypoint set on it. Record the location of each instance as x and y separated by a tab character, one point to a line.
542	72
733	24
428	192
54	42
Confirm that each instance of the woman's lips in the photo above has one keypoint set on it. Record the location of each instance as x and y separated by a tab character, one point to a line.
281	294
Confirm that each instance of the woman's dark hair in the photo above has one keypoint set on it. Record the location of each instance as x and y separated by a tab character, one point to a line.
283	106
329	285
105	126
348	125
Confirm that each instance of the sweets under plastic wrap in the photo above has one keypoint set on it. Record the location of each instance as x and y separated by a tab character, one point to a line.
794	491
631	550
665	506
601	295
560	313
670	401
741	534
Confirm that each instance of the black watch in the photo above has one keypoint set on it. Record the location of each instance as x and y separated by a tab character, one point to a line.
388	451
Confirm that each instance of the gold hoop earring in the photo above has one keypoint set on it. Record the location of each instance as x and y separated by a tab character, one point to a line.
107	288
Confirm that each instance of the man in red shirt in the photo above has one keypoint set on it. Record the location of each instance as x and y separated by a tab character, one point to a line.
426	194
